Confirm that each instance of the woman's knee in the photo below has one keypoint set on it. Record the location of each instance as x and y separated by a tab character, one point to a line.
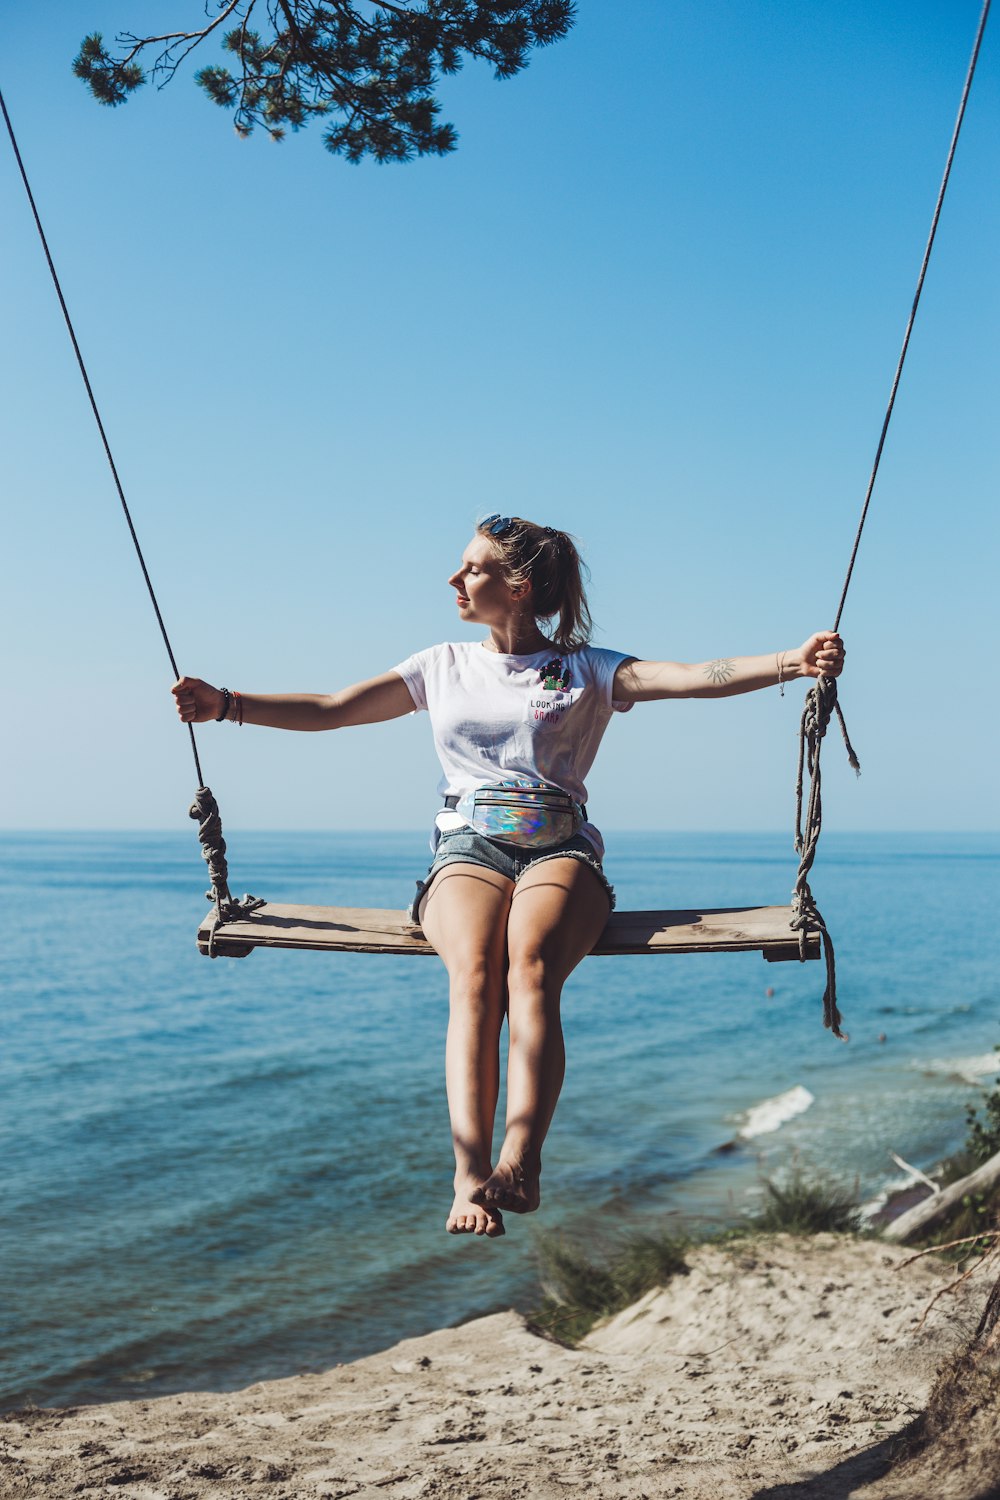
531	975
474	981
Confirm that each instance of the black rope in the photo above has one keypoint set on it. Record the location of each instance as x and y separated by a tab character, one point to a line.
97	415
821	700
205	808
916	300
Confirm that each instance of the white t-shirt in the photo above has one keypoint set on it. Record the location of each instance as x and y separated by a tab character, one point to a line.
498	718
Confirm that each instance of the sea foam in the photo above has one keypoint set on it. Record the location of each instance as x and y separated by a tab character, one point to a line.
969	1069
771	1114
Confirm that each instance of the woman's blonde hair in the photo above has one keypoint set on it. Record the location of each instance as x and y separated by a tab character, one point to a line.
548	560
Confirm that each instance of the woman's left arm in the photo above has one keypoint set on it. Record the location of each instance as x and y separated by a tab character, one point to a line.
822	655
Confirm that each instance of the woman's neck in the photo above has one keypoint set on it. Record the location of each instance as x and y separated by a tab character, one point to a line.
516	639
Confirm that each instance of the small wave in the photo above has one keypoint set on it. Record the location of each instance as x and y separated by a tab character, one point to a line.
771	1114
968	1069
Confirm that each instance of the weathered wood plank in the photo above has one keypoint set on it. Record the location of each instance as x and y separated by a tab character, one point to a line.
737	929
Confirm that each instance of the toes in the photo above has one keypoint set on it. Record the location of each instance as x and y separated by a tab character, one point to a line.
482	1221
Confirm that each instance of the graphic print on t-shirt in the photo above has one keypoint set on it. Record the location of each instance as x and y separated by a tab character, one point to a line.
555	677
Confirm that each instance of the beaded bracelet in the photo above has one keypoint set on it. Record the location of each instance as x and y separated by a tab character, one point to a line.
226	696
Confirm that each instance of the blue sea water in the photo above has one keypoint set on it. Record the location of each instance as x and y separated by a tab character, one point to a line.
216	1173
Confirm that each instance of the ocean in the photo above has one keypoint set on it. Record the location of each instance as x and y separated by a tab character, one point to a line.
223	1172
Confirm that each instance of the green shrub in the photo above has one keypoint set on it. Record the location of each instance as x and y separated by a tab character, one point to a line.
983	1139
803	1204
579	1291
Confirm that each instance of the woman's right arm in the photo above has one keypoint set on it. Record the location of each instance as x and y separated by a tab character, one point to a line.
384	697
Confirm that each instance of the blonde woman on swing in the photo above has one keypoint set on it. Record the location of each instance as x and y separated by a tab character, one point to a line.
515	895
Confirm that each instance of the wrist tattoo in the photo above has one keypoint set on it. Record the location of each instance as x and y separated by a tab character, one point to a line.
720	671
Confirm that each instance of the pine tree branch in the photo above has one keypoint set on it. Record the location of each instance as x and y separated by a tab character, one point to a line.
373	67
173	37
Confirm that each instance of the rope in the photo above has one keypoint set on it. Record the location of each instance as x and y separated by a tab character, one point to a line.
820	706
205	807
97	414
213	851
916	300
821	700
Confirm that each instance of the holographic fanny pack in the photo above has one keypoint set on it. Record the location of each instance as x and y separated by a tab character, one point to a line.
519	812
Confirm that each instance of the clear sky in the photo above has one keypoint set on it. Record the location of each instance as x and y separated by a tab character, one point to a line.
656	297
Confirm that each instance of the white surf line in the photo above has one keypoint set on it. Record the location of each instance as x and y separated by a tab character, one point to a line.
771	1114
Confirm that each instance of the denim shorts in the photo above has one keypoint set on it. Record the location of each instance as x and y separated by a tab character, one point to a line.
464	846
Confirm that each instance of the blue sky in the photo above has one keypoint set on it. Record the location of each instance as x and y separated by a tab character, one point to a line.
656	297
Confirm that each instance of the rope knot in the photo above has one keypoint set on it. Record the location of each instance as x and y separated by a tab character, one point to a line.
820	705
228	908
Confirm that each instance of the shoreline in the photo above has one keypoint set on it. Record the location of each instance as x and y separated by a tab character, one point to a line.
772	1361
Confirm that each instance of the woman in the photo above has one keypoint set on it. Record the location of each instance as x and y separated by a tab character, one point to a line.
517	719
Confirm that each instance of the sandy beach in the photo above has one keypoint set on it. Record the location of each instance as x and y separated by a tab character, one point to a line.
776	1367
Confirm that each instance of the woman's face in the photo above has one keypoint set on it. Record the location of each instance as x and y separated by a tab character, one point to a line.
483	594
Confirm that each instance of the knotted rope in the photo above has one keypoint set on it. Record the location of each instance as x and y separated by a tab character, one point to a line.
228	908
820	705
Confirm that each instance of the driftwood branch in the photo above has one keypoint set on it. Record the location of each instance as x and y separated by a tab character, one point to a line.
916	1173
925	1215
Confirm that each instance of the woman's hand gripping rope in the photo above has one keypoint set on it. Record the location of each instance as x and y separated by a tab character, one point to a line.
198	702
823	655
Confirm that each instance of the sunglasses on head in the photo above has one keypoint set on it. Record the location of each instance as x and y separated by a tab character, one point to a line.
496	525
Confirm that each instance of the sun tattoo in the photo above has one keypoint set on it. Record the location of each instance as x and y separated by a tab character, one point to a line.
720	671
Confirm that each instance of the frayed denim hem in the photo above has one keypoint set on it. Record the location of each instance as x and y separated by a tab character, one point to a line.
441	862
585	859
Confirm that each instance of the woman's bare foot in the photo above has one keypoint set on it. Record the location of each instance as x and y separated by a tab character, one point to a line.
469	1217
512	1185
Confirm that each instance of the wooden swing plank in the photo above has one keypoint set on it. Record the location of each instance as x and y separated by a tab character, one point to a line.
737	929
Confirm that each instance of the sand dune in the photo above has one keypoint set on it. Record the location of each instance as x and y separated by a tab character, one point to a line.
777	1368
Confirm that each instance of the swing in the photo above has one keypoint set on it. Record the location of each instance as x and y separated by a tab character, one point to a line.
797	931
739	929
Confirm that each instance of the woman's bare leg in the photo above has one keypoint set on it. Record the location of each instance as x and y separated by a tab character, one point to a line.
464	915
558	912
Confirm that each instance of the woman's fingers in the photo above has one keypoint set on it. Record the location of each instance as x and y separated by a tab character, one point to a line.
830	655
823	654
194	699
